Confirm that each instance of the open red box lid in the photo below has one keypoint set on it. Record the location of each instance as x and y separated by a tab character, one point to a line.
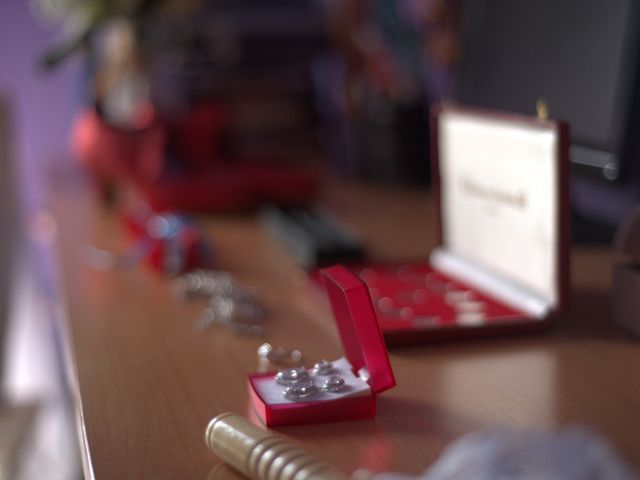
358	326
501	181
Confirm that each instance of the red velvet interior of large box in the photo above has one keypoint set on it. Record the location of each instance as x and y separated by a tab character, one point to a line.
414	296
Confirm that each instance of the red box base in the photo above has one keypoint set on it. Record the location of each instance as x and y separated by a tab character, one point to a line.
302	413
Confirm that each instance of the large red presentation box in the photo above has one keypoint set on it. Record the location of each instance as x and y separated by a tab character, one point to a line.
502	207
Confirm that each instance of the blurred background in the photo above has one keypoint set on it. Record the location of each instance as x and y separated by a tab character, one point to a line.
221	105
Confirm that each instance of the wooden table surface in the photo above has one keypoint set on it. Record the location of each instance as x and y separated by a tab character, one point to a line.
149	382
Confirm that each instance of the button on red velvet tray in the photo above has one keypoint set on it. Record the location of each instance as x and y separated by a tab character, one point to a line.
418	297
413	303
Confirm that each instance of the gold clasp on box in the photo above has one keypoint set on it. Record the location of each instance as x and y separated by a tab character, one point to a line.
542	110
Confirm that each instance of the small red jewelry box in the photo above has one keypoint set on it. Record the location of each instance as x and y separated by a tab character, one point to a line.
171	243
502	263
365	368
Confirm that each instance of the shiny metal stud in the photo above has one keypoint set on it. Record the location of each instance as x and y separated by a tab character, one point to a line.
228	304
333	383
434	284
453	297
264	350
425	321
323	367
289	376
385	304
301	389
279	355
470	319
470	306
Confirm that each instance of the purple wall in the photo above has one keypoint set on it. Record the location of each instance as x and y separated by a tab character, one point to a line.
42	103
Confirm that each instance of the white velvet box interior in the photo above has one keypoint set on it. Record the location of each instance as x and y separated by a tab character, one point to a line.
500	207
271	391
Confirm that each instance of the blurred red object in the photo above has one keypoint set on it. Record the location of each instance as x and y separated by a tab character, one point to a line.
204	179
199	134
232	187
114	153
174	243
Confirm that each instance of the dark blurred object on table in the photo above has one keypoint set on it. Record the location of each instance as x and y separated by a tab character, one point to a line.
583	59
626	274
313	236
393	59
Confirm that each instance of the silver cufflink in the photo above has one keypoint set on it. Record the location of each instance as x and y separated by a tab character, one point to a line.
300	389
228	304
323	367
204	283
333	383
289	376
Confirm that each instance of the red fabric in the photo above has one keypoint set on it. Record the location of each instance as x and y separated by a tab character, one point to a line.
206	182
400	325
111	153
199	134
233	187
